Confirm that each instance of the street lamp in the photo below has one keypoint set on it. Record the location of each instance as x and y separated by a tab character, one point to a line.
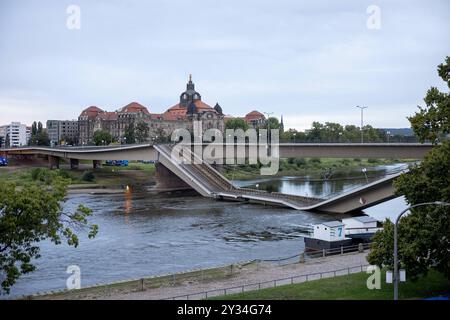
396	275
362	122
388	135
295	133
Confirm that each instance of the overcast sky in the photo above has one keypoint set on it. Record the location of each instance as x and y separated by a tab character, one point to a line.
308	60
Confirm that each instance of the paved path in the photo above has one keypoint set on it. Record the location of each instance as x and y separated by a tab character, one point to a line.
264	272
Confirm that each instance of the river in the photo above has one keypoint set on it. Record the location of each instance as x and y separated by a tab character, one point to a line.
143	234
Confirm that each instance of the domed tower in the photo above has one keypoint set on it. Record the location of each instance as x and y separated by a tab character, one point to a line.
190	95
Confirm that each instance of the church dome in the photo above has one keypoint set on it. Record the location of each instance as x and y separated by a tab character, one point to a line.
190	94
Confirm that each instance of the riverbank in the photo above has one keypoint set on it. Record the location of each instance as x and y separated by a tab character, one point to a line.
155	288
312	168
107	179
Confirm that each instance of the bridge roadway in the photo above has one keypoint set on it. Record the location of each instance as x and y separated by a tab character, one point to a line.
286	150
210	183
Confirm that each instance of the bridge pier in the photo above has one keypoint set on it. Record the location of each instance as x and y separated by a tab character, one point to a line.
53	162
74	164
96	164
166	180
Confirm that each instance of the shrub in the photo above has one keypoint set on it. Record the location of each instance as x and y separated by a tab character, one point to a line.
315	160
371	160
300	162
38	174
65	174
291	160
357	159
88	176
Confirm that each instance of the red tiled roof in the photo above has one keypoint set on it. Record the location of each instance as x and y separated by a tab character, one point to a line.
178	110
134	107
91	112
108	116
254	115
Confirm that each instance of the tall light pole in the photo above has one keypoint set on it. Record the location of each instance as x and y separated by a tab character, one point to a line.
268	114
362	122
396	275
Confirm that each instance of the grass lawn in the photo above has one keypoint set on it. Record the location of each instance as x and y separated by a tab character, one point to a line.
351	287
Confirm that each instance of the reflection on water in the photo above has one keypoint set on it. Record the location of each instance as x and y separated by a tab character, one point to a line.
142	234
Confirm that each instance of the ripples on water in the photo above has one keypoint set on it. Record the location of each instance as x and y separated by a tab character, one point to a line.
145	234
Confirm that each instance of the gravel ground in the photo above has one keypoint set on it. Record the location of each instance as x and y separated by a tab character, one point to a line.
264	272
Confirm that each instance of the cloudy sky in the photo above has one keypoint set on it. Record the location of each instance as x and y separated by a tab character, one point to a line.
308	60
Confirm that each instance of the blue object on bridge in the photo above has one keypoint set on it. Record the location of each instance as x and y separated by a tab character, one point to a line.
3	162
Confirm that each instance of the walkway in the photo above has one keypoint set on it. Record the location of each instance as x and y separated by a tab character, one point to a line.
264	272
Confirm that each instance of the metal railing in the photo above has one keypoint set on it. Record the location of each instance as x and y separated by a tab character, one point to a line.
269	283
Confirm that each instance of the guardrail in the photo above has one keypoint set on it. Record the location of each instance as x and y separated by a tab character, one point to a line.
269	283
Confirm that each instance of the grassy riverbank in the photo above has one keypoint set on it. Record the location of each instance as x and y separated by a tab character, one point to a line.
312	167
133	175
350	287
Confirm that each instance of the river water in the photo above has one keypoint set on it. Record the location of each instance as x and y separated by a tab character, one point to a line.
143	234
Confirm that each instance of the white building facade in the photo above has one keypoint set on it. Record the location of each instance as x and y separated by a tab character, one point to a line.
15	134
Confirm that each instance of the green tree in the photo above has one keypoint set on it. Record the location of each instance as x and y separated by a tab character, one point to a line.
142	132
34	128
433	121
424	234
31	214
102	137
39	137
130	136
236	123
272	123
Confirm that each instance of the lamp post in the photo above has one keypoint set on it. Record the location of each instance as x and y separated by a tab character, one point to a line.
295	133
396	275
268	114
362	122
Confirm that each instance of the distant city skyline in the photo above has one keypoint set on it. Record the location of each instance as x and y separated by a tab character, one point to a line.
312	61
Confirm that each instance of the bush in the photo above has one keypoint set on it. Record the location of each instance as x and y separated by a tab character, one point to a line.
38	174
371	160
65	174
300	162
88	176
357	159
291	160
315	160
345	162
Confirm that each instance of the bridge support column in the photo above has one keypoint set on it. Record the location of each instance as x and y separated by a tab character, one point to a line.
74	164
166	180
53	162
96	164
